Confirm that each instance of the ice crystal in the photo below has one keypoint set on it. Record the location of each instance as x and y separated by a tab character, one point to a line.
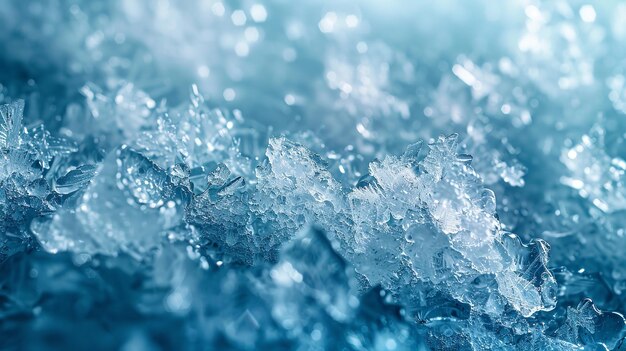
322	176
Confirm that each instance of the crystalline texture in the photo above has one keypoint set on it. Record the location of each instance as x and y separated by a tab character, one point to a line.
11	126
235	175
444	210
587	325
127	207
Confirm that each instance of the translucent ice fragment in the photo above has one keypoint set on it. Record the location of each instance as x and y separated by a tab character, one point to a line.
586	325
441	153
127	207
75	179
496	158
221	214
412	152
11	124
125	110
294	176
439	220
142	181
448	218
528	268
288	170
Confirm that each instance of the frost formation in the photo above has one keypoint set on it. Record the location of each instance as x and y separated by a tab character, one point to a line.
229	175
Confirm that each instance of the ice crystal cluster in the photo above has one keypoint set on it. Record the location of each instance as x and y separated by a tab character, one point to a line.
312	175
